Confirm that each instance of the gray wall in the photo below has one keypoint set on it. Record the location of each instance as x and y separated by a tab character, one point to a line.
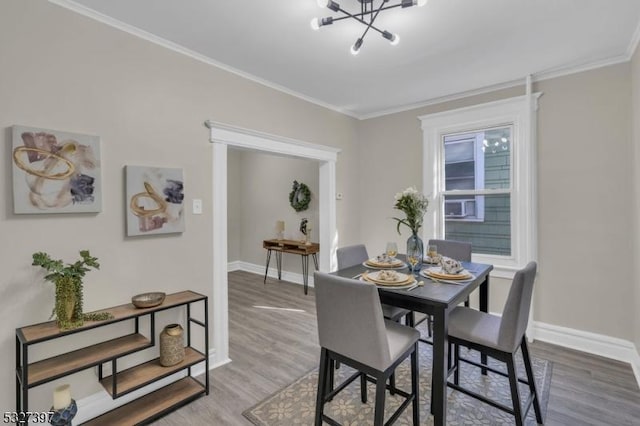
635	114
262	191
64	71
584	187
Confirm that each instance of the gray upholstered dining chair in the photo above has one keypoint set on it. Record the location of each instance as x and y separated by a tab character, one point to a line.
356	254
352	330
459	250
499	338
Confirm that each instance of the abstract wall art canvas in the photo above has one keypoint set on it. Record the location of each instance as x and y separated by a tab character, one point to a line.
55	171
155	200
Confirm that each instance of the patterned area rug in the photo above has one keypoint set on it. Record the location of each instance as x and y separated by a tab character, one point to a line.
295	404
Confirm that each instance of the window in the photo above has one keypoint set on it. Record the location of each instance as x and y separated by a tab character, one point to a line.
478	168
464	170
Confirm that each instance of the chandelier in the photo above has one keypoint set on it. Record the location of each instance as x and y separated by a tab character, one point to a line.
369	11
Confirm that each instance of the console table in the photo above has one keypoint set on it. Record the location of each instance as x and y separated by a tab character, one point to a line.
31	373
293	247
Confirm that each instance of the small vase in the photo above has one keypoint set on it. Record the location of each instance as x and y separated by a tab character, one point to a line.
415	251
171	345
67	303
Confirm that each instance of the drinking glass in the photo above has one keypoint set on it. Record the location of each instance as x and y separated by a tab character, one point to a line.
414	254
392	250
432	251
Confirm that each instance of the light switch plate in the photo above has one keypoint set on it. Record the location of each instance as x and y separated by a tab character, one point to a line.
197	206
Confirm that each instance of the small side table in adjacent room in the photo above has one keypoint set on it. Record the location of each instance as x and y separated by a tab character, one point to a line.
292	247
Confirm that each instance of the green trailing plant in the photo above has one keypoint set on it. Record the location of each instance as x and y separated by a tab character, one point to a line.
68	282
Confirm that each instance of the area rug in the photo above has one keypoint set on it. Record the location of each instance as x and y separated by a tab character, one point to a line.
295	404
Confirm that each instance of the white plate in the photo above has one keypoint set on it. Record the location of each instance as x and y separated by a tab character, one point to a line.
389	287
441	276
400	266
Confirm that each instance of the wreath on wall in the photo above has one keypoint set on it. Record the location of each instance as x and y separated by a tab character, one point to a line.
300	196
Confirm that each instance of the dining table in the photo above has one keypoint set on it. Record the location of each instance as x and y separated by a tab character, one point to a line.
436	298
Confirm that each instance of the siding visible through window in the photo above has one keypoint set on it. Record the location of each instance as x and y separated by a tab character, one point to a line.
475	161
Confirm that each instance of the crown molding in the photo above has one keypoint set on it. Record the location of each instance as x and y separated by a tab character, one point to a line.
112	22
633	44
538	76
446	98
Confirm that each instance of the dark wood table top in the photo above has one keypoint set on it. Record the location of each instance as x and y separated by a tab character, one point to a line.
432	293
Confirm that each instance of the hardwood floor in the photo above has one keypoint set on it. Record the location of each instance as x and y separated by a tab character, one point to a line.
270	348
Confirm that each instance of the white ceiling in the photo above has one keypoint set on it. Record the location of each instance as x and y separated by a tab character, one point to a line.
447	47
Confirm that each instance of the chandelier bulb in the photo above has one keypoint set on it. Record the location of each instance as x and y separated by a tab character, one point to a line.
393	38
420	3
323	3
315	24
355	49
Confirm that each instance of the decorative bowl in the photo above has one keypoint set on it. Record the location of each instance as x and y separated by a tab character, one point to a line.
148	300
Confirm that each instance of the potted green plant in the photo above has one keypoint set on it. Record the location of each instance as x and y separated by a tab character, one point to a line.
68	281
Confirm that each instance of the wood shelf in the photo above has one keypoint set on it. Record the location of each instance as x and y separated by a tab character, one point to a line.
49	330
61	365
152	405
144	409
143	374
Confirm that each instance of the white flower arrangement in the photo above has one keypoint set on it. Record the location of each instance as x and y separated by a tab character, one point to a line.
414	205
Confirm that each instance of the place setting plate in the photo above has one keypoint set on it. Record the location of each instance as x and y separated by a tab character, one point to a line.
396	280
436	272
384	264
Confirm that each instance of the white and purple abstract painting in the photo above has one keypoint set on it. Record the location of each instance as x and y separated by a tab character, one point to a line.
155	200
55	171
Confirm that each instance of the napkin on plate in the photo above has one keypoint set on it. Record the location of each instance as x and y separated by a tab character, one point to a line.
450	266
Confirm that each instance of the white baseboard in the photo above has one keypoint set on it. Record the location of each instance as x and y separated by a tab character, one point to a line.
273	272
101	402
234	266
596	344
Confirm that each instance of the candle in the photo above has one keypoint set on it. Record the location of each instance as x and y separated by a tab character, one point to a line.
280	226
61	397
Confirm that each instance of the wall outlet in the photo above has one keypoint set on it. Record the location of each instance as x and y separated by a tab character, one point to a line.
197	206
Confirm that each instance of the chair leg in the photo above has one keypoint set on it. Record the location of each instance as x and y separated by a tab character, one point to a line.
381	384
392	384
515	393
363	388
415	386
456	364
322	385
330	376
429	325
410	319
531	379
466	303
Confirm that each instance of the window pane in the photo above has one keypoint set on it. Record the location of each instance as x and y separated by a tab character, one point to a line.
478	160
455	151
489	236
496	146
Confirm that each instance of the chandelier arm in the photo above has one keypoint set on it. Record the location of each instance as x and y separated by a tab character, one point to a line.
358	16
365	23
373	18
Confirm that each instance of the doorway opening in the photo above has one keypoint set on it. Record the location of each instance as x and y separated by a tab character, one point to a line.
223	136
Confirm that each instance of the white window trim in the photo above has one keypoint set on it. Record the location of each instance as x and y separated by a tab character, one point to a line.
521	113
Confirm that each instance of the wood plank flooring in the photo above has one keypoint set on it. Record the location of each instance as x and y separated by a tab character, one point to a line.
270	348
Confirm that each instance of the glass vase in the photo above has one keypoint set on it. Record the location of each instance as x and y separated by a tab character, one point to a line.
415	251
